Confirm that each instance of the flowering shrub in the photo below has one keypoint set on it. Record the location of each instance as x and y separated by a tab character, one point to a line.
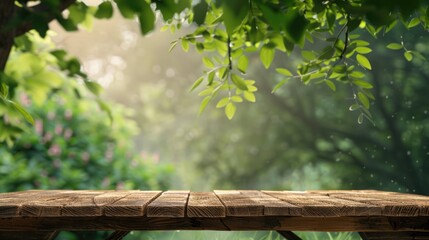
73	145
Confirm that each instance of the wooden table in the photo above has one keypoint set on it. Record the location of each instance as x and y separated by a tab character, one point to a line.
374	214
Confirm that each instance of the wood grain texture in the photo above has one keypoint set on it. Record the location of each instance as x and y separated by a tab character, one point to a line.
390	204
255	203
205	204
365	211
30	235
313	205
239	203
395	235
169	204
329	224
133	204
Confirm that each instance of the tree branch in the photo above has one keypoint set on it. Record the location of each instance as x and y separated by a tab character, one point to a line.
42	8
7	8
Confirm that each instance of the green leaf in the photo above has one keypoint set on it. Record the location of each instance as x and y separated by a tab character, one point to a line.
230	110
354	107
331	85
210	78
408	55
414	22
146	18
94	87
77	12
73	65
22	111
295	25
208	62
363	61
363	84
236	99
394	46
249	96
104	10
234	12
284	71
173	44
185	45
363	50
360	118
126	8
239	82
363	99
204	103
4	90
222	103
280	84
67	24
357	74
267	56
242	64
196	83
200	12
103	106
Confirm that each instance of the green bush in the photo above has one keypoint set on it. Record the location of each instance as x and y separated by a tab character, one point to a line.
73	145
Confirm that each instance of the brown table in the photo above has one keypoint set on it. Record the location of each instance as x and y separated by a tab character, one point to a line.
374	214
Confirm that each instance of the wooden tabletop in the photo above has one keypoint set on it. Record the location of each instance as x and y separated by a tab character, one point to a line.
363	211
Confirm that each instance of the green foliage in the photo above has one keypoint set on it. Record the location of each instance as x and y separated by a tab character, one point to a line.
229	32
73	147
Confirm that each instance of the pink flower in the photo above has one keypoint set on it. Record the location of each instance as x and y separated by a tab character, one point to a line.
58	129
105	183
25	100
54	150
47	137
38	126
120	186
68	114
68	133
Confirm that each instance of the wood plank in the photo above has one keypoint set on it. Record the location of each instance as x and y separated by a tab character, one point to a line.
329	224
133	204
30	235
10	203
395	235
238	203
350	206
389	206
169	204
255	203
80	203
312	205
205	204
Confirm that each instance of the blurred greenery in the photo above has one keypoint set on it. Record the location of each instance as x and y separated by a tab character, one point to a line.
296	138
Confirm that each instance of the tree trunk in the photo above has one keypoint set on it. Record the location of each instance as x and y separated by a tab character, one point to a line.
7	9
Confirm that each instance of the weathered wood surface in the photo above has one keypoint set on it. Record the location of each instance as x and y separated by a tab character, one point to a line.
218	210
395	235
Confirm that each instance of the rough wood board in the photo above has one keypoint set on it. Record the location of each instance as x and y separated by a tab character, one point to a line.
334	224
312	206
238	203
169	204
389	206
204	204
34	235
395	235
134	204
255	203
